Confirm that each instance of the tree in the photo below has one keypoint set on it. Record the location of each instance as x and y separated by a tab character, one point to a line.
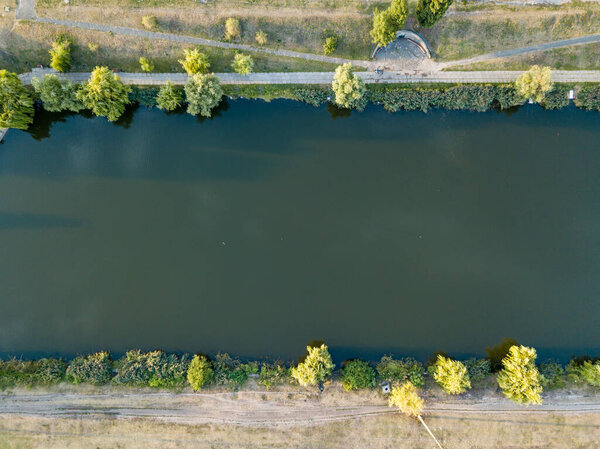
95	369
330	45
194	61
243	64
451	375
399	371
104	94
199	372
169	97
233	30
535	83
387	22
57	95
315	368
348	88
149	22
261	37
203	93
16	104
358	374
406	397
146	64
430	11
60	56
520	379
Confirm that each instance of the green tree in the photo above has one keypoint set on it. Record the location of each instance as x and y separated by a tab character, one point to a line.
16	104
104	94
95	369
330	44
430	11
451	375
57	95
358	374
400	371
535	83
200	372
149	22
233	30
387	22
520	378
146	64
194	61
315	368
348	88
203	93
261	37
588	371
169	97
243	64
60	56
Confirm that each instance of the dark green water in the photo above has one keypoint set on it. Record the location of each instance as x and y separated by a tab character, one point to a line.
273	225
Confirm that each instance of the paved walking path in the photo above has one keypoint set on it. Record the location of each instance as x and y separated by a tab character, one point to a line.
145	79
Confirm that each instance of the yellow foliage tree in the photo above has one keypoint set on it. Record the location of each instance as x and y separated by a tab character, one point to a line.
451	375
535	83
317	366
520	379
348	88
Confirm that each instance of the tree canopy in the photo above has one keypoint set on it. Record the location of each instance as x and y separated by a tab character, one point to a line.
60	55
200	372
315	368
451	375
203	93
242	64
520	378
535	83
348	88
169	97
194	61
104	94
387	22
406	398
430	11
358	374
57	95
16	105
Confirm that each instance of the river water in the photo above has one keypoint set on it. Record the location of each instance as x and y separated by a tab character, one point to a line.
275	224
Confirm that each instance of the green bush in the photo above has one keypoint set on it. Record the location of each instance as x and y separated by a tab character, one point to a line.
261	37
273	374
57	95
146	64
144	95
16	104
203	93
314	96
60	56
242	64
588	98
399	371
330	44
557	98
357	375
552	375
200	372
194	61
229	371
478	369
587	371
95	369
154	369
169	97
16	372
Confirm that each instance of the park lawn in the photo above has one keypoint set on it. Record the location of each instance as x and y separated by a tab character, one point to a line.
26	44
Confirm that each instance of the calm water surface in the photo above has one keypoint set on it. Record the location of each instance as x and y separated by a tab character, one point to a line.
274	224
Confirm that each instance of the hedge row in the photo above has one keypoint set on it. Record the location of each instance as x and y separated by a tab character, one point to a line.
164	370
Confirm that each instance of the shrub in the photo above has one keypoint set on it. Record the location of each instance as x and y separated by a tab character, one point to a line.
233	30
587	371
478	369
169	97
146	64
27	373
535	83
194	61
358	374
203	93
154	369
144	95
199	372
314	96
149	22
400	371
93	47
519	377
60	56
588	98
272	374
242	64
430	11
229	371
348	88
406	398
57	95
261	37
316	367
496	354
95	369
552	375
104	94
330	45
557	98
16	104
451	375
